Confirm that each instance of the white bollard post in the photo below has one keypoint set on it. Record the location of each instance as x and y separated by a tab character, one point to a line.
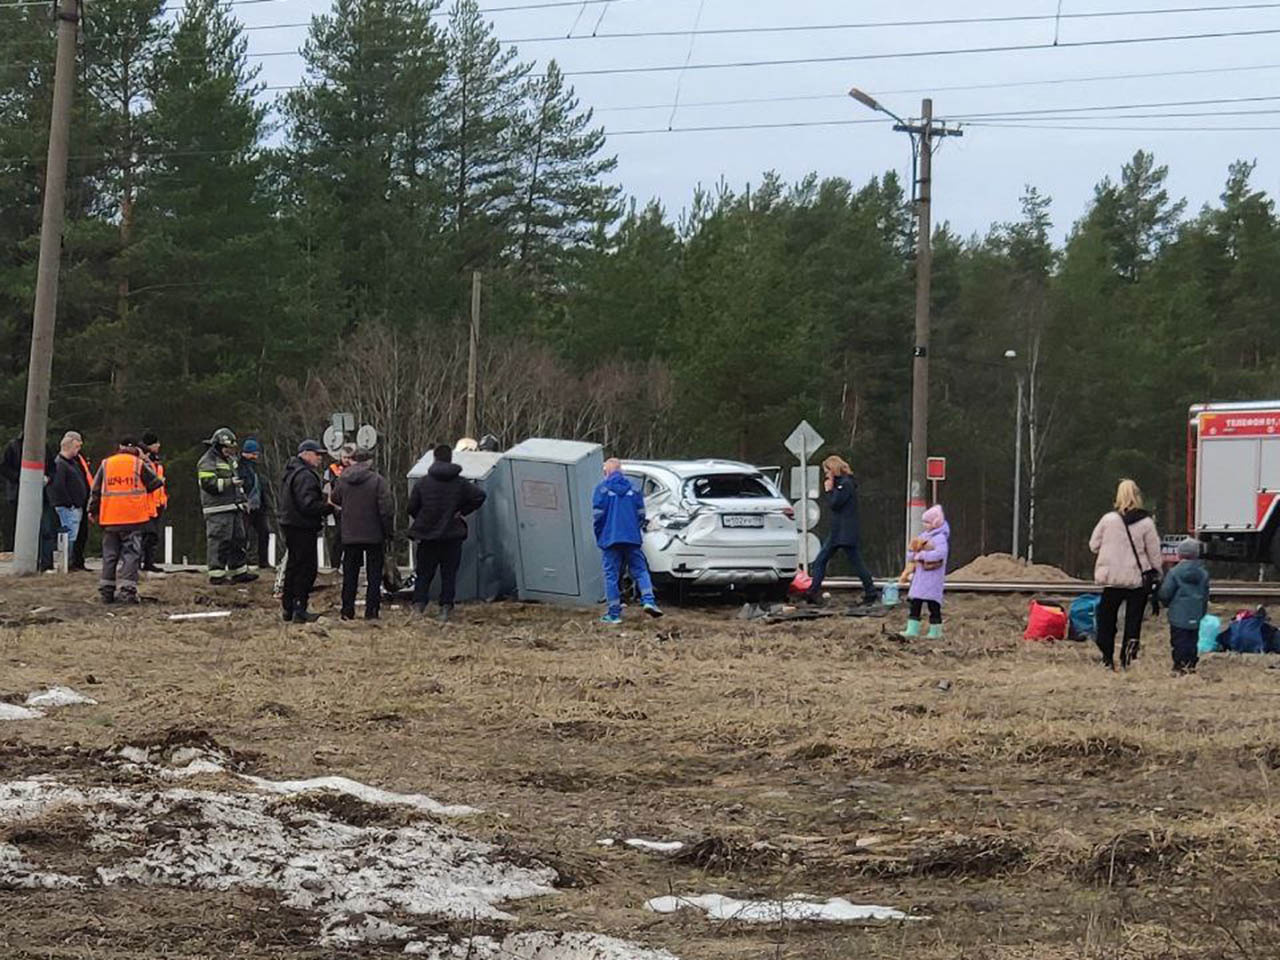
168	546
271	549
320	552
64	554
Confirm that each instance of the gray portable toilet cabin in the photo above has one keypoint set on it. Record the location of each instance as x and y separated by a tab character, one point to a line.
552	481
489	552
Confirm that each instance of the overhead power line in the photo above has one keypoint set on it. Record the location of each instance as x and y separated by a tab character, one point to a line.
915	54
1201	128
1043	111
888	24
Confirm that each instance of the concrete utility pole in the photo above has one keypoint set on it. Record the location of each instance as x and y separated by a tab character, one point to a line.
473	356
923	133
26	553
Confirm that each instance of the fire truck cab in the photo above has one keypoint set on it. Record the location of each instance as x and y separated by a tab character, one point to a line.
1233	480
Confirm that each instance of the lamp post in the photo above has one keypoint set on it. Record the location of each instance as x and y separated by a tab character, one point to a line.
1017	460
922	135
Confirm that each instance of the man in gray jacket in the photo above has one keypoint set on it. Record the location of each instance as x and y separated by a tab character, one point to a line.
366	522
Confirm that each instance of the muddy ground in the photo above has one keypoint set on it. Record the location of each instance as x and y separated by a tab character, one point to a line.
1029	803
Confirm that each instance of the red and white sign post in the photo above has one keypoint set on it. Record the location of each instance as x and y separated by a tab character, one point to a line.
936	473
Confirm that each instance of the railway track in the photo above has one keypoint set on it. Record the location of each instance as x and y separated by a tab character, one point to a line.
1232	589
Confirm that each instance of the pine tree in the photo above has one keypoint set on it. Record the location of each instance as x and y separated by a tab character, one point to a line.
562	196
363	184
484	94
207	238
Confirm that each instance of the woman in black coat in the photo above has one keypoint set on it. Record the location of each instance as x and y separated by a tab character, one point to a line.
846	530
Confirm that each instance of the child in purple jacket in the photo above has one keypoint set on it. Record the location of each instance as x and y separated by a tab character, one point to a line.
930	577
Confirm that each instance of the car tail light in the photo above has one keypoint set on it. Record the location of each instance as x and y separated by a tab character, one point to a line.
789	513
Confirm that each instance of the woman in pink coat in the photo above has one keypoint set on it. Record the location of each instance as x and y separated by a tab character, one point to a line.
1127	545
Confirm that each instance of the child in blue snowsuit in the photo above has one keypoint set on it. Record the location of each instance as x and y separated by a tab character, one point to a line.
618	512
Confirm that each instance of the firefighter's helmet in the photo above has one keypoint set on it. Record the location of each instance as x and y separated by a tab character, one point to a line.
222	437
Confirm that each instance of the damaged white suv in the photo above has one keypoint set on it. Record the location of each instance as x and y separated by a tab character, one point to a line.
715	524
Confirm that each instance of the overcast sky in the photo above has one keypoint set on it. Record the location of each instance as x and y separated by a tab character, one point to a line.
979	177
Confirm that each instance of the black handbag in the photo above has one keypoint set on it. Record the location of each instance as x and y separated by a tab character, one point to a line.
1150	578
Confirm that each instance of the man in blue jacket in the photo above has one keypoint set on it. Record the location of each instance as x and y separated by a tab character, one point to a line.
618	511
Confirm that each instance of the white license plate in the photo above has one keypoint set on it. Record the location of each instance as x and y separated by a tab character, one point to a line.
743	521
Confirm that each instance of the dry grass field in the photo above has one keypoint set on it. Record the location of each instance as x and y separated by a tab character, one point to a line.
1031	805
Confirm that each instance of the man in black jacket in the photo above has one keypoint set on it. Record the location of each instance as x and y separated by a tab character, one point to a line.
303	507
68	490
366	516
437	505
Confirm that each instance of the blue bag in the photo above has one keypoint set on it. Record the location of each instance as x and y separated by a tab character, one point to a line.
1210	626
1083	616
1245	635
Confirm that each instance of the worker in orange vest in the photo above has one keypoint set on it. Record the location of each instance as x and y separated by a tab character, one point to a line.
121	502
159	502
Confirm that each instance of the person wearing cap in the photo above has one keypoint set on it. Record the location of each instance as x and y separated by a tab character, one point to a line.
303	509
259	498
121	502
159	502
1185	595
225	506
367	522
68	490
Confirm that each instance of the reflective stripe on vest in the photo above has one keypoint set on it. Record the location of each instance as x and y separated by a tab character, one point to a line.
125	501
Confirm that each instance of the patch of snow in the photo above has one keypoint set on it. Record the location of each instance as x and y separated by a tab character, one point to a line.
11	711
797	908
363	792
656	846
210	840
538	945
194	768
352	929
606	842
16	873
133	754
205	615
58	697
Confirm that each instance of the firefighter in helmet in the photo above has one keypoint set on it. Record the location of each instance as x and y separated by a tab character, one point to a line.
225	507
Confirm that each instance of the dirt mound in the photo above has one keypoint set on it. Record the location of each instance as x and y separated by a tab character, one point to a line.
1003	566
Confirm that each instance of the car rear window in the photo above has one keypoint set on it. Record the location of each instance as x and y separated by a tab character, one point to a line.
731	486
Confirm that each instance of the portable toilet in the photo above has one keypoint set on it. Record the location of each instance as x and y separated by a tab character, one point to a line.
489	553
552	482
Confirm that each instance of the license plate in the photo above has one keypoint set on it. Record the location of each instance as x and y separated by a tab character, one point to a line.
743	521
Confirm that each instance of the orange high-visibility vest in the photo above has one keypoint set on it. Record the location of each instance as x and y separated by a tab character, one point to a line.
125	501
160	496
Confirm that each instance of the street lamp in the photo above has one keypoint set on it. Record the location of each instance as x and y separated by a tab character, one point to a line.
922	134
1017	460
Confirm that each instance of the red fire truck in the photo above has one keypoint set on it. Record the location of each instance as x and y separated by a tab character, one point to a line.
1233	480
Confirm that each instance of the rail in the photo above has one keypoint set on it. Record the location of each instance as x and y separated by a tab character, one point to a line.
1073	588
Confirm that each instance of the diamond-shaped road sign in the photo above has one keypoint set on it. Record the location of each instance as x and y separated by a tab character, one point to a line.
804	441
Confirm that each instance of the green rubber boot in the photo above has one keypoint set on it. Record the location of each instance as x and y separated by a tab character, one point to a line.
913	630
935	631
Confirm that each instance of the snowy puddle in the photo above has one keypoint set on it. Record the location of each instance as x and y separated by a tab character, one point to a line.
795	909
364	860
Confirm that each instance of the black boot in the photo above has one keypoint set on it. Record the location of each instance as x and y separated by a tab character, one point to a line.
419	609
302	615
445	613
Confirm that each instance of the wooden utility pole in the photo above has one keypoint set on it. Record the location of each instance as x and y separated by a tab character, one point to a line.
26	554
473	357
927	131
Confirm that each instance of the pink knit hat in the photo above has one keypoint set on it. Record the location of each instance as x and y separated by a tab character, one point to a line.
934	517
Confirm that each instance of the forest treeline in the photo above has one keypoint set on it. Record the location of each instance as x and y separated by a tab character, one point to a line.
259	259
